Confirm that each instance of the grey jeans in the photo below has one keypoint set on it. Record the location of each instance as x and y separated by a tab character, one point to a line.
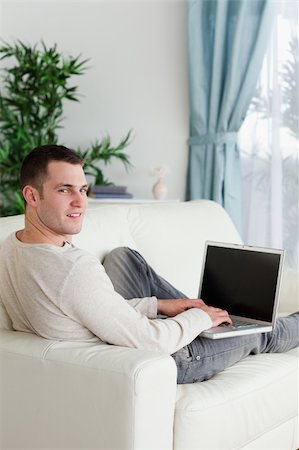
132	277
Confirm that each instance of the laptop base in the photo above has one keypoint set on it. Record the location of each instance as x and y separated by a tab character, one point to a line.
222	332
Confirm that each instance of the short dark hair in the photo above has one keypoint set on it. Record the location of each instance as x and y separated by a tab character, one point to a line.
34	168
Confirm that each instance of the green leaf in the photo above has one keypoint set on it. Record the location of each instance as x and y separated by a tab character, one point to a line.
35	85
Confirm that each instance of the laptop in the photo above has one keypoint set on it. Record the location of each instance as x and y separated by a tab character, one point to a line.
245	281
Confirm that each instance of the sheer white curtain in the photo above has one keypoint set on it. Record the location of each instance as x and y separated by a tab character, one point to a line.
269	144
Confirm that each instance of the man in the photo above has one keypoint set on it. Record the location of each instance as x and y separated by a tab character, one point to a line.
53	289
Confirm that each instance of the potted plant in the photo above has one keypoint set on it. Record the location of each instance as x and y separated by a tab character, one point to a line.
35	84
104	152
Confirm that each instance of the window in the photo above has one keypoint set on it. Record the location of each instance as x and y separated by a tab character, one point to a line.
269	144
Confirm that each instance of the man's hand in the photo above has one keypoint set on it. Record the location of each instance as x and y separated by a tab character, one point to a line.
217	315
173	307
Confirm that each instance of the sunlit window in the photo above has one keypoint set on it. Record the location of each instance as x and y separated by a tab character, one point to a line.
269	144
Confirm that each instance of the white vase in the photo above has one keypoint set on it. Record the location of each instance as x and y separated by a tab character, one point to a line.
160	189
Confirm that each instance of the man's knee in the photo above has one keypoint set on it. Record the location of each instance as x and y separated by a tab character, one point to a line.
117	254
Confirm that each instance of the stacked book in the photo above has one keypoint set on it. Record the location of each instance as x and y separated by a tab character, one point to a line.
109	191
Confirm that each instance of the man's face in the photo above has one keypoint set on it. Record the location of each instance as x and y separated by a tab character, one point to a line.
61	205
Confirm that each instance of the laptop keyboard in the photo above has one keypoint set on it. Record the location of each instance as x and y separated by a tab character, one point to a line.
237	324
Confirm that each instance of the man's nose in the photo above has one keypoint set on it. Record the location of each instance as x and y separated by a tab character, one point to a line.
79	199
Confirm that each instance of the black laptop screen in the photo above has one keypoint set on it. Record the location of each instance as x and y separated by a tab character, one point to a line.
243	282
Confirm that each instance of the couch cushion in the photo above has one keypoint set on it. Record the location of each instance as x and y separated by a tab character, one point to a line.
104	228
10	224
289	292
171	237
7	226
238	405
24	344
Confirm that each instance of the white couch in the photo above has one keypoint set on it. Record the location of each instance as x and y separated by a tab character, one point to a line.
59	395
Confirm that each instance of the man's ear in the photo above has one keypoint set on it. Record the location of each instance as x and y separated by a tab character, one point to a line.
30	194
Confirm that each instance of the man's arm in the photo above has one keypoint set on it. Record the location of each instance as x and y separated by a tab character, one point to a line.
88	297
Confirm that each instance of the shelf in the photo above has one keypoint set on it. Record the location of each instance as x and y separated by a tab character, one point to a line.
130	201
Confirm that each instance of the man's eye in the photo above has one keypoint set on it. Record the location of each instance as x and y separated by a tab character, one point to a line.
63	190
83	191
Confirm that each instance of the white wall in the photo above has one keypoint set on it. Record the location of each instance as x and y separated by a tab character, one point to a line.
137	77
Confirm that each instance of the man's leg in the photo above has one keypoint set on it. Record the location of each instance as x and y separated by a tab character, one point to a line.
203	358
132	277
207	357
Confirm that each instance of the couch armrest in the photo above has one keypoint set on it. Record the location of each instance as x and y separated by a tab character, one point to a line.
289	293
80	395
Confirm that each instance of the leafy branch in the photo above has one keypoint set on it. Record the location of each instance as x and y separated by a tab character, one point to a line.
35	85
103	151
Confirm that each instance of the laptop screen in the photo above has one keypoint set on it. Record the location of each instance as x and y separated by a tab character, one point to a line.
241	280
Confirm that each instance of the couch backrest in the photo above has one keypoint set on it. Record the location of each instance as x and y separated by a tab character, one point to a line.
7	226
171	236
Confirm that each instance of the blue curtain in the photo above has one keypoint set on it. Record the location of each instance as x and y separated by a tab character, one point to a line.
227	40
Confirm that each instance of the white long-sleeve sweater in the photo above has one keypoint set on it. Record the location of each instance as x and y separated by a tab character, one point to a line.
64	293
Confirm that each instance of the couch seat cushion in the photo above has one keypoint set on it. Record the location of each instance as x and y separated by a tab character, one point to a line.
238	405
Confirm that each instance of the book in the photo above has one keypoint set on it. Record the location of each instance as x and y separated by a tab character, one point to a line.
108	189
111	195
